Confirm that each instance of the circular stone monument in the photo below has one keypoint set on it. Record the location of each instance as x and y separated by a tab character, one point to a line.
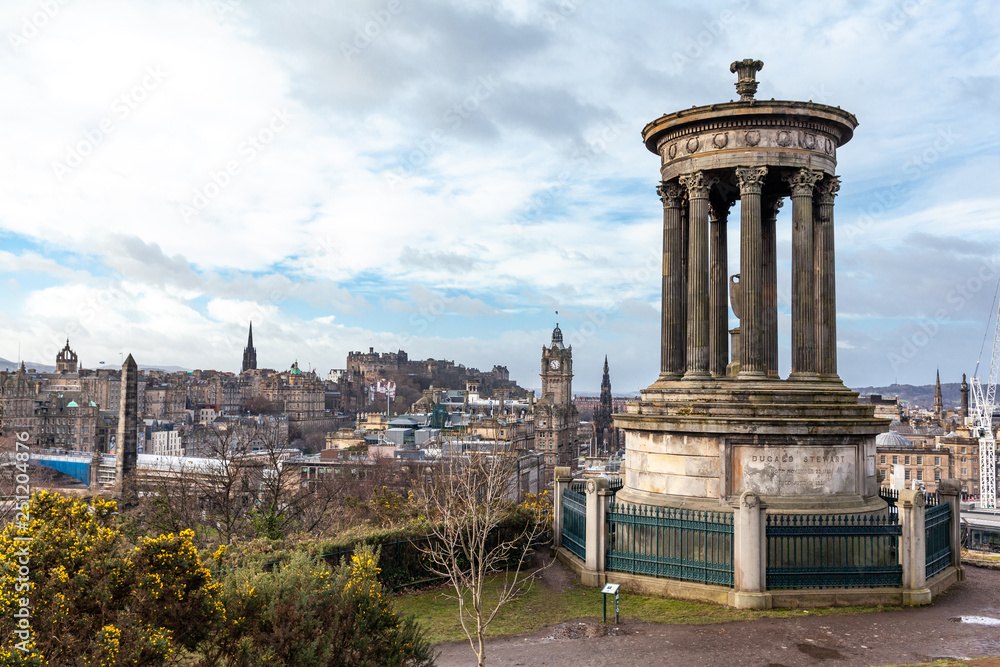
714	425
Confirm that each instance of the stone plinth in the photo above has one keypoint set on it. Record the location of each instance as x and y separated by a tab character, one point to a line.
800	445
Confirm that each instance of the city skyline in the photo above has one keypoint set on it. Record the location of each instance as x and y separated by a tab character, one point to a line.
442	179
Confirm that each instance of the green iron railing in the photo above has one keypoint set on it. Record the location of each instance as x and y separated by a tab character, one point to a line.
615	485
574	522
937	540
671	542
832	551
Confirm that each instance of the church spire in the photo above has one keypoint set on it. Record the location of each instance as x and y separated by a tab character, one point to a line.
938	399
603	422
249	353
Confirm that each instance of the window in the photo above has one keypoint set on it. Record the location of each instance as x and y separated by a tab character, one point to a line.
895	459
964	472
882	459
963	450
906	474
920	474
906	460
937	460
937	475
920	461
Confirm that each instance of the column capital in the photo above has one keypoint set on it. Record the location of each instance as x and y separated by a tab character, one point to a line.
718	211
803	181
827	189
751	179
670	194
770	206
698	184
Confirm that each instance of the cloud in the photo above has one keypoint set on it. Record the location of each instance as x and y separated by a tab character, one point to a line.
460	171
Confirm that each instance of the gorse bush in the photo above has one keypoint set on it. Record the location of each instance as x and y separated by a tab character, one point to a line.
99	599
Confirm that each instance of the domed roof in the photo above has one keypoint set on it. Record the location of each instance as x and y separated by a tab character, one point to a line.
891	439
295	370
72	404
557	337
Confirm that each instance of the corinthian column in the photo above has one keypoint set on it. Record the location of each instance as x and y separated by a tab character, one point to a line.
698	186
770	213
802	183
672	324
718	291
751	180
685	244
826	284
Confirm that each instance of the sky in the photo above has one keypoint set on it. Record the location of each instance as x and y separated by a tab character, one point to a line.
443	176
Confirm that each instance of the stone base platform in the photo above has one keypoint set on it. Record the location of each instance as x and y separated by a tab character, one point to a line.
803	445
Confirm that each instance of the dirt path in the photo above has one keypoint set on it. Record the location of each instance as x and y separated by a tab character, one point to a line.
887	638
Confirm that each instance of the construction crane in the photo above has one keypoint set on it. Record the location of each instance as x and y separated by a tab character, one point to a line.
982	415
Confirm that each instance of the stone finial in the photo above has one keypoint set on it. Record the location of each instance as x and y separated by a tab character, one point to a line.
746	86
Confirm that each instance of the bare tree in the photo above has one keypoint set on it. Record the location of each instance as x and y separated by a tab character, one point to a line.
470	503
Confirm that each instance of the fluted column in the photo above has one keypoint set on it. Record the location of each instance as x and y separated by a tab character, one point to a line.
751	181
672	325
802	183
770	214
826	283
685	238
718	290
698	187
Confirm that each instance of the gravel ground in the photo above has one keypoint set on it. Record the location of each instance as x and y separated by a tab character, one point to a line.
886	638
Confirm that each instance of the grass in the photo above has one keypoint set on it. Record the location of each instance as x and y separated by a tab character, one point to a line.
541	607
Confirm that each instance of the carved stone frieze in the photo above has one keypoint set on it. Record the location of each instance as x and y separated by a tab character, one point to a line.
710	139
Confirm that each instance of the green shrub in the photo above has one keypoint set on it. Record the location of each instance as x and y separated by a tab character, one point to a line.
306	613
96	599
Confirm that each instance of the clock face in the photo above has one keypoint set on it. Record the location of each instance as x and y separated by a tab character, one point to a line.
554	364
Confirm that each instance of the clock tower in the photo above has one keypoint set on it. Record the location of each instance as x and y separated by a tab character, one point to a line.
556	418
557	370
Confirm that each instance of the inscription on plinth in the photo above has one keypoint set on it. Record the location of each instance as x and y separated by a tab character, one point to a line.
782	470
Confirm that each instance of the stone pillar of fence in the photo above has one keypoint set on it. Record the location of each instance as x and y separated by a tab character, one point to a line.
598	497
950	491
562	481
750	554
913	546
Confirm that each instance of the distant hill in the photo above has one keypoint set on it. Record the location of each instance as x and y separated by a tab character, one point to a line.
921	396
7	365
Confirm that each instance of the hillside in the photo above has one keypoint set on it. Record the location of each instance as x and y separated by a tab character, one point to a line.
918	395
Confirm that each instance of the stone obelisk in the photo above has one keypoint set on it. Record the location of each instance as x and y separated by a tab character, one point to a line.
127	447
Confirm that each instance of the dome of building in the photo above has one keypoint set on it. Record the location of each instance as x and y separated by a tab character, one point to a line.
557	337
295	370
891	439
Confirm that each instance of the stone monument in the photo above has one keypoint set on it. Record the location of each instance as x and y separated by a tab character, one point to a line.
126	449
711	428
